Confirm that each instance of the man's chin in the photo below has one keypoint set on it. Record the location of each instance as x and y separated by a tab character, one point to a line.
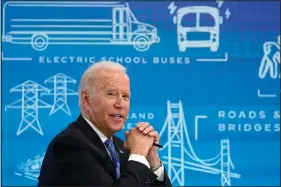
117	126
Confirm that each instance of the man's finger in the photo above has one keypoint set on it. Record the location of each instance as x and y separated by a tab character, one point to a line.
148	130
142	126
153	133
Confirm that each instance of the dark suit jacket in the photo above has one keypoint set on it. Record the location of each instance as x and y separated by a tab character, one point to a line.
77	157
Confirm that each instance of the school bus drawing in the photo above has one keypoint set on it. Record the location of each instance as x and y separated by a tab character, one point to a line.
193	32
41	24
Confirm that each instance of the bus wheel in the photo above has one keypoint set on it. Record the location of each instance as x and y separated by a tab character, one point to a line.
39	42
141	43
214	48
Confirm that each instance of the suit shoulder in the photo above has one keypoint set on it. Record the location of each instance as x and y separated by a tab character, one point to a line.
68	136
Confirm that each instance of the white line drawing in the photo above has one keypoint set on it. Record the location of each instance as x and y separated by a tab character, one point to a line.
220	3
270	63
31	168
15	58
225	59
172	7
227	13
189	30
265	95
60	92
29	105
115	24
197	117
177	137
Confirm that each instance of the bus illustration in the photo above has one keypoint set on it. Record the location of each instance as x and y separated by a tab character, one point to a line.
198	26
45	23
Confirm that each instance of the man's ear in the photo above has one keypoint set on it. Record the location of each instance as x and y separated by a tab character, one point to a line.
86	100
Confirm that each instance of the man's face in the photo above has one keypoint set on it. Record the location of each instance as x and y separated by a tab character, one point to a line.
110	103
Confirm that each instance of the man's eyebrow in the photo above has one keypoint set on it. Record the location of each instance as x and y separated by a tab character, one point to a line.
107	88
110	88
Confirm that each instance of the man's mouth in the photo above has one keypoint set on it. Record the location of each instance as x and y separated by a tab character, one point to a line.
117	116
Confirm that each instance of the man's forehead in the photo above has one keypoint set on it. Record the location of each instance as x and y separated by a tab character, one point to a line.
112	74
111	80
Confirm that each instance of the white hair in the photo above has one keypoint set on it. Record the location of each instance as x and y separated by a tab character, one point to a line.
87	81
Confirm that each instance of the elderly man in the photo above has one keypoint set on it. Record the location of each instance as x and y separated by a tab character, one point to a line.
87	153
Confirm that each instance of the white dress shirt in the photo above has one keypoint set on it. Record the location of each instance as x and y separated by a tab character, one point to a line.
135	157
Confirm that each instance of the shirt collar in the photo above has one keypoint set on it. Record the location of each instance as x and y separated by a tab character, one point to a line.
100	134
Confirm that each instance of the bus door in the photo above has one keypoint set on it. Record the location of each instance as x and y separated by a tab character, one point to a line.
120	24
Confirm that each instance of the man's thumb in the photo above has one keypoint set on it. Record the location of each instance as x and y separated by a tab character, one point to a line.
125	145
127	134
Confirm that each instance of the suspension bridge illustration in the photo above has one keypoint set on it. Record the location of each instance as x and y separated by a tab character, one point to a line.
29	103
60	92
176	161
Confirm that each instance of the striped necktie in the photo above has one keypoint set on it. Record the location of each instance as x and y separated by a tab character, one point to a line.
113	155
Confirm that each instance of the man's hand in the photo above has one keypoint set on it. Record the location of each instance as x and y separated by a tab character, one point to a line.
137	142
152	156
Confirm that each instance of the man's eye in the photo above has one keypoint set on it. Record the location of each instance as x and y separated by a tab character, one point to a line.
110	93
126	96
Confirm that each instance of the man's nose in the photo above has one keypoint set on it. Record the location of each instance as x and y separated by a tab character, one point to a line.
119	101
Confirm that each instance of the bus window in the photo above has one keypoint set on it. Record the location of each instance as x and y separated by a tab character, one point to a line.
118	15
132	17
125	24
206	20
188	20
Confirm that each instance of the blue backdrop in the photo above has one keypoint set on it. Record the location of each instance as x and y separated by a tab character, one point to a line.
204	74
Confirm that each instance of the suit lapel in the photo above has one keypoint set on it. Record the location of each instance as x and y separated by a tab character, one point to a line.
95	140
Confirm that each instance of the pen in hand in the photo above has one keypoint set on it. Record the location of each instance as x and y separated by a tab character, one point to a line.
157	145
